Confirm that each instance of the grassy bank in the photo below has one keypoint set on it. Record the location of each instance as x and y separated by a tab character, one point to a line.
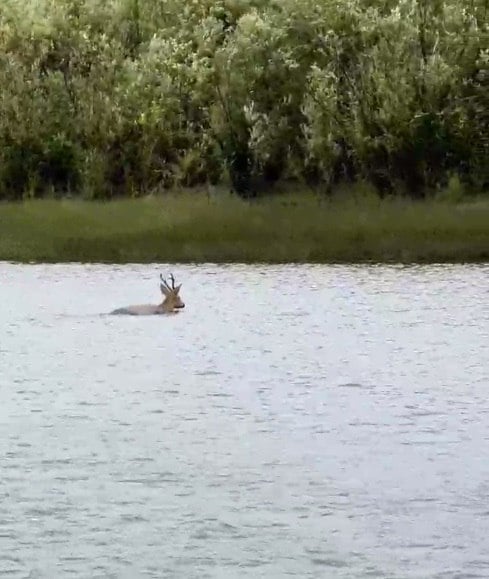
193	228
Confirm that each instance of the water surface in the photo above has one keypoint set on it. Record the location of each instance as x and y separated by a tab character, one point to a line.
293	421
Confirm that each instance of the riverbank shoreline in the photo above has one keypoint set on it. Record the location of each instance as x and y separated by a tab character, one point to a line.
195	228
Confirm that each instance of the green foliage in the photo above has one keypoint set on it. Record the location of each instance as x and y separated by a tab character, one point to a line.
355	226
122	97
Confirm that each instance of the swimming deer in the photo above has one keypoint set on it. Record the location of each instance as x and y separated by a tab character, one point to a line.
170	305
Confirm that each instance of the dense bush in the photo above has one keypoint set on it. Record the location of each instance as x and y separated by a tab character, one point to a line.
104	98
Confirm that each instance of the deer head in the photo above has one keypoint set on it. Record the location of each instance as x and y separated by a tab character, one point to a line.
172	300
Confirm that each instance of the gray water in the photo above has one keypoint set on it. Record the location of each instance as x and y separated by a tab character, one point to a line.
292	422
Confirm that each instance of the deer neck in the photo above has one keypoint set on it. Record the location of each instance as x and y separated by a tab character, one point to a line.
166	307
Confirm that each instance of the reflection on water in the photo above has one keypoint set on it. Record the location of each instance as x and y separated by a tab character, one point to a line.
300	421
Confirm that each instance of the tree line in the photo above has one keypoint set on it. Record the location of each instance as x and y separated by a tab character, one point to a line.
102	98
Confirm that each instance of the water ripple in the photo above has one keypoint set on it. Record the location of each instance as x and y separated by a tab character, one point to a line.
335	430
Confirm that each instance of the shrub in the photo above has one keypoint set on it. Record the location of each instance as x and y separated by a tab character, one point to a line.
120	97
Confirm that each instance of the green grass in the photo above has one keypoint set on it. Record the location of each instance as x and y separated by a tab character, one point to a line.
190	227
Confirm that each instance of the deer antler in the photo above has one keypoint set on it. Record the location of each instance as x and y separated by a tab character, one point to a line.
164	282
172	281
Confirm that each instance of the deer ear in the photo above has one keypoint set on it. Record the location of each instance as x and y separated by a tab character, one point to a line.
177	289
164	290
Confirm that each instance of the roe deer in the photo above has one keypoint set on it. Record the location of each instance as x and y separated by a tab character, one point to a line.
170	305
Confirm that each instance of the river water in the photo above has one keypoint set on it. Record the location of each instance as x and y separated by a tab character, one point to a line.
293	421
